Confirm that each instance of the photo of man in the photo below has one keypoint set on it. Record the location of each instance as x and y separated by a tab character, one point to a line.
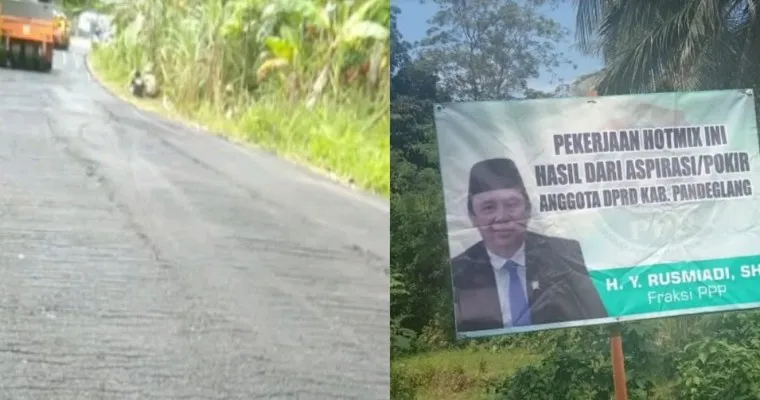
513	277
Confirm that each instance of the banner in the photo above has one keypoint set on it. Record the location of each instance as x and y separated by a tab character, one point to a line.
582	211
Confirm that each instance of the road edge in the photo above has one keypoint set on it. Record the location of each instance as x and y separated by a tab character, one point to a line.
342	184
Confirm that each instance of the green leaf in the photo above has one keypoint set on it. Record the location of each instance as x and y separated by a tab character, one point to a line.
281	48
365	30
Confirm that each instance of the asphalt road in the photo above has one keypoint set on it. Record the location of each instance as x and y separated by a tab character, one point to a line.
144	260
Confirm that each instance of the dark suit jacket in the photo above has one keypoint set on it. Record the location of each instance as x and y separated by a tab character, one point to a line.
565	292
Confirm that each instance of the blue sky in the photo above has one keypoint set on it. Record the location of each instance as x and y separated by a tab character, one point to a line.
413	24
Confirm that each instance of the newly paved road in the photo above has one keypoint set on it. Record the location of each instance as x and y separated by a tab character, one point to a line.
143	260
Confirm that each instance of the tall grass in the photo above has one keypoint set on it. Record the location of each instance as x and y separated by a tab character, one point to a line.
307	78
458	374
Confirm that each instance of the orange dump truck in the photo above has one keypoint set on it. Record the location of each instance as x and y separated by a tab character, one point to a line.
28	34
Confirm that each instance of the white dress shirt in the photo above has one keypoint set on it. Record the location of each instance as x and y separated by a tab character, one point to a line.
502	280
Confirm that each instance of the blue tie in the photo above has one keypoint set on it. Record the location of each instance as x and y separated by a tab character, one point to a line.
518	301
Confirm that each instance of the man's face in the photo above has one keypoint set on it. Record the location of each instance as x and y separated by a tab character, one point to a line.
500	216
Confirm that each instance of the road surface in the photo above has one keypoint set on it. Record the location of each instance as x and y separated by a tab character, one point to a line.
144	260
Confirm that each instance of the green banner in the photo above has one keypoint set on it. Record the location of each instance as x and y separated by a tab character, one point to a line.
679	286
578	211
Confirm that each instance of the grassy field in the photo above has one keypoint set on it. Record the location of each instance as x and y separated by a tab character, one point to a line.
317	96
462	374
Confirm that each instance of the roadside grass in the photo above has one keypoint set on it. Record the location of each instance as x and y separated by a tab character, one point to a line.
461	374
301	86
467	374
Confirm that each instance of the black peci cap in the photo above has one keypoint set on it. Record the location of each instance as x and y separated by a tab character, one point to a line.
495	174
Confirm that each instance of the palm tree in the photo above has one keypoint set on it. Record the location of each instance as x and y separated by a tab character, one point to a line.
672	45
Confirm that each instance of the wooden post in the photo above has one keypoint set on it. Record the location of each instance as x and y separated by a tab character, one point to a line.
616	342
618	363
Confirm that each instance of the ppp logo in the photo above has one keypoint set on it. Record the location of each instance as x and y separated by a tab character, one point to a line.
650	226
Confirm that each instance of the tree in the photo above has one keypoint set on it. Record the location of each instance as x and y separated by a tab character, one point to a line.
562	90
513	43
672	45
416	204
489	49
399	47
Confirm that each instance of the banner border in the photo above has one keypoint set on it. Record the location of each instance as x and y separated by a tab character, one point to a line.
608	321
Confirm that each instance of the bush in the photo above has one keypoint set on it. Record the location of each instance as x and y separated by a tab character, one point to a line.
308	78
402	388
579	367
715	369
464	372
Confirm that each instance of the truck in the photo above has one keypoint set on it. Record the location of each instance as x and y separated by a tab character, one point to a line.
27	34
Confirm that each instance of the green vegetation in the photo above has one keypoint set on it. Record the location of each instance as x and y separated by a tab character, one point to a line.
305	78
680	46
662	46
459	373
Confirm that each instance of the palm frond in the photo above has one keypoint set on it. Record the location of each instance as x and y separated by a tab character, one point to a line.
652	43
588	16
